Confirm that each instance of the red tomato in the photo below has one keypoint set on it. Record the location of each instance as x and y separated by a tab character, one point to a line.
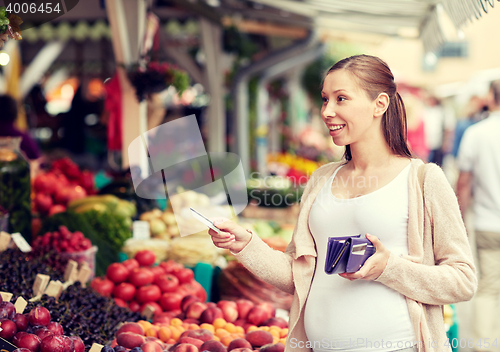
141	277
184	275
171	265
134	306
117	272
171	301
194	288
120	302
124	291
167	282
102	286
145	257
150	293
157	271
131	264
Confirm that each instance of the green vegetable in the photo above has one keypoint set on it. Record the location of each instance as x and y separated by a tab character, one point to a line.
111	228
15	189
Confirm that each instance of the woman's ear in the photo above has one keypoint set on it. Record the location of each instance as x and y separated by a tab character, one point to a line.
381	104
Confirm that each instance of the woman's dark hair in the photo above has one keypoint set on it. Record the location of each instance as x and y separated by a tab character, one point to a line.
375	77
8	108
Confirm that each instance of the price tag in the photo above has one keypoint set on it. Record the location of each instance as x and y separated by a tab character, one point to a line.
96	348
71	271
41	282
20	305
4	241
148	312
21	242
6	296
84	274
140	230
54	289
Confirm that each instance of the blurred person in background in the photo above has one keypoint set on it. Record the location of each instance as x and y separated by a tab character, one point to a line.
475	111
479	165
8	115
439	124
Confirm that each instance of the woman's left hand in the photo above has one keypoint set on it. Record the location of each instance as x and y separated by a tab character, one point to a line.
374	266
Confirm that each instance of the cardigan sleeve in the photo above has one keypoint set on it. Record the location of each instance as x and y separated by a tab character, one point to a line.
272	266
452	278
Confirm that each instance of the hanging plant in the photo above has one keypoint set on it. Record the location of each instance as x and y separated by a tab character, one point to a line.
155	77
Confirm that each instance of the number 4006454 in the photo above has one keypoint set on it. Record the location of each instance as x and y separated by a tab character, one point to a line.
44	7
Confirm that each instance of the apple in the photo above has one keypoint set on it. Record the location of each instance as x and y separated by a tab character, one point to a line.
39	316
8	329
78	343
55	327
21	321
25	340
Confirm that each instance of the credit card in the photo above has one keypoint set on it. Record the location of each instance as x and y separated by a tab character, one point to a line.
204	220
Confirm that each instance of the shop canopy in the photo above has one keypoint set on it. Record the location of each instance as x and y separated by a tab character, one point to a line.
404	18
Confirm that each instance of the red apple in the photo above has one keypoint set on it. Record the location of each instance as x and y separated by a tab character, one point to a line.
39	316
8	329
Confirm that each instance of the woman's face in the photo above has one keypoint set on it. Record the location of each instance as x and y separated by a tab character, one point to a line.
347	110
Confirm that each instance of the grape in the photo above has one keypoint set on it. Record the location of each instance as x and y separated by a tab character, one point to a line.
2	11
107	349
80	311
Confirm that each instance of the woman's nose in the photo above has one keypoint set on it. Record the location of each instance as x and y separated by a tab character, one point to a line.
328	111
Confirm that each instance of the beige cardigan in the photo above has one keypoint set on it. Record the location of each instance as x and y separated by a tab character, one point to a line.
438	270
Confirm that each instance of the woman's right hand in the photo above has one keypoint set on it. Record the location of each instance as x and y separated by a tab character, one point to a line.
232	236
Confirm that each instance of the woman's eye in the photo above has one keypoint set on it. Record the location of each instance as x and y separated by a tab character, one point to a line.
325	100
341	99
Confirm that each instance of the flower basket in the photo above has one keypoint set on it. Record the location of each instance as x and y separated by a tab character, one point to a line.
155	77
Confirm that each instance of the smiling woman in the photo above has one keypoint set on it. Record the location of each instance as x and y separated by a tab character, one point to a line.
371	82
407	210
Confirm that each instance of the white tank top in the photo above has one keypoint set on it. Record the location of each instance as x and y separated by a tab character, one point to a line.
359	315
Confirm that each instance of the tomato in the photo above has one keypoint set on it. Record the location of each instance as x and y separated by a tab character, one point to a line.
167	282
194	288
145	257
141	277
150	293
124	291
134	306
102	286
117	273
171	265
171	301
131	264
157	271
184	275
120	302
